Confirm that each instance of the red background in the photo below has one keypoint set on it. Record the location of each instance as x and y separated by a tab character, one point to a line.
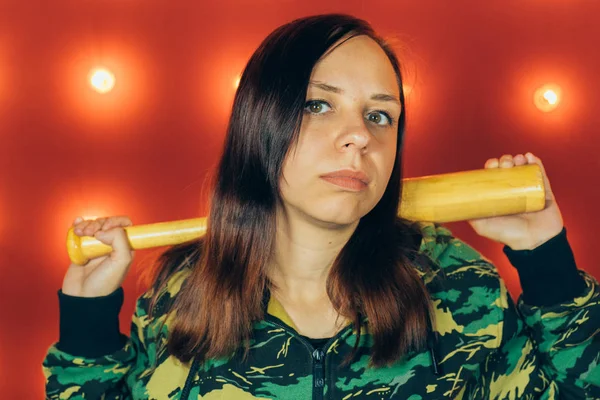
146	148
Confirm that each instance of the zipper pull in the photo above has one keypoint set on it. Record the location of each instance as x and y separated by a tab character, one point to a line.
432	341
434	363
319	379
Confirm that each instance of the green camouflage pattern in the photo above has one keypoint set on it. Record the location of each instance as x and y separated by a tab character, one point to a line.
489	348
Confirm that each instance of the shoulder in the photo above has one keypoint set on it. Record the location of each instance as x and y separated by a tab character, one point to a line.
152	318
446	250
173	269
452	259
469	297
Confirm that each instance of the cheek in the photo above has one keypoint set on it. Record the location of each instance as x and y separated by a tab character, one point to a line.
386	165
391	159
308	153
286	175
387	153
293	172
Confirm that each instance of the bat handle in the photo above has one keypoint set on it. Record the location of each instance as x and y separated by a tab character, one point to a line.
81	249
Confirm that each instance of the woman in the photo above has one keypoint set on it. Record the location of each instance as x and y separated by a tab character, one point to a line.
307	285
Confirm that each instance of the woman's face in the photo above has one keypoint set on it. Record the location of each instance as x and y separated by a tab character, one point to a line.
340	166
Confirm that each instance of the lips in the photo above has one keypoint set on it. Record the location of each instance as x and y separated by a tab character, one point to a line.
348	179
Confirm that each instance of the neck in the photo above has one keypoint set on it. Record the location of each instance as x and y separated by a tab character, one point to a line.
304	253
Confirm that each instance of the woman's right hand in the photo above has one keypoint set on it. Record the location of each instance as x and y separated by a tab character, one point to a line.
103	275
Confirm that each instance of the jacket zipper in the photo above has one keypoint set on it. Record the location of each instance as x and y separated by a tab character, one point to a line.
318	363
318	357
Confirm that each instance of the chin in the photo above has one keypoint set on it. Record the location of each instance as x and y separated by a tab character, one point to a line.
338	215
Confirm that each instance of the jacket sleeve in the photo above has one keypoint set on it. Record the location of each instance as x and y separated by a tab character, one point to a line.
550	346
92	359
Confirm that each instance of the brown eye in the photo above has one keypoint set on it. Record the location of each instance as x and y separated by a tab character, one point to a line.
380	118
316	107
375	118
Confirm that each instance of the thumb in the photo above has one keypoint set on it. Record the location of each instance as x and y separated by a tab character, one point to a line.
532	159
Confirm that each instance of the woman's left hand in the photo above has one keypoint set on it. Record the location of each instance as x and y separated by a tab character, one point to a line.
524	231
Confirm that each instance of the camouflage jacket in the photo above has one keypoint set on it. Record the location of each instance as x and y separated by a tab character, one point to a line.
487	347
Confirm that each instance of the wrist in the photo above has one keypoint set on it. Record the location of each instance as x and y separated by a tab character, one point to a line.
548	274
531	243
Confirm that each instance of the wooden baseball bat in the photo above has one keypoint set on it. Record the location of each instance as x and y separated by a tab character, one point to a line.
451	197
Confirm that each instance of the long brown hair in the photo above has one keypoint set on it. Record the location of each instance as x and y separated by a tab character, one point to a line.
372	277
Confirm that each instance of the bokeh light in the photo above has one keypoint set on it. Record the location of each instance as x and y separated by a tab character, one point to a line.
547	97
104	90
102	80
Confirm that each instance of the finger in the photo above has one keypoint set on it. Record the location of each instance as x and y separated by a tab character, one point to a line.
520	159
532	159
93	227
117	221
117	239
506	161
80	227
77	225
491	163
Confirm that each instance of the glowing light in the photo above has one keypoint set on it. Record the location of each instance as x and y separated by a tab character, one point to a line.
551	96
102	80
547	97
236	82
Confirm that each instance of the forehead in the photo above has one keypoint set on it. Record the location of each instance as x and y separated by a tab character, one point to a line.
358	63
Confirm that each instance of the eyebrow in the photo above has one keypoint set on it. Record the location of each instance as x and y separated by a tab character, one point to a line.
337	90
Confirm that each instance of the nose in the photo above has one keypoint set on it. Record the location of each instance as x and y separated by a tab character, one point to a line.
355	137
